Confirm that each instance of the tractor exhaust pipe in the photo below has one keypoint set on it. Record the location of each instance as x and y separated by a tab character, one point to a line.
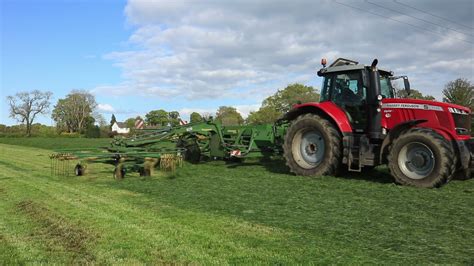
374	101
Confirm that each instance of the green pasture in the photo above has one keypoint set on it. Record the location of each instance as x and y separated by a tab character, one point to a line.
223	213
57	143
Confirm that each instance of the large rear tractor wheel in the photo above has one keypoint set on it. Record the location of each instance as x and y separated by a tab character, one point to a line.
313	146
193	152
420	157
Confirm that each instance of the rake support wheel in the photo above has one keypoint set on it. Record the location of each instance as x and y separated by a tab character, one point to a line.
145	171
79	170
119	172
193	152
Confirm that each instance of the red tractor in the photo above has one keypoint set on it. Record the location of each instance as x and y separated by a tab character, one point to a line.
359	124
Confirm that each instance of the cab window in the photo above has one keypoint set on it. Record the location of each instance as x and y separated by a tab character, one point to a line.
348	89
386	87
325	89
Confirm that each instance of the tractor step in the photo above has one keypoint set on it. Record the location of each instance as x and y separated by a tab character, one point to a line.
354	164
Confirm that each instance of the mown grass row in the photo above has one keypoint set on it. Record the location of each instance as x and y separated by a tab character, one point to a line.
219	212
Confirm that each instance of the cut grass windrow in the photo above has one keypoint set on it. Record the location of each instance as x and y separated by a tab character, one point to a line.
57	230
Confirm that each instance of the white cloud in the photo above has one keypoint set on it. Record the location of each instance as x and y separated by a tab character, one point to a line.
105	108
186	112
249	49
245	110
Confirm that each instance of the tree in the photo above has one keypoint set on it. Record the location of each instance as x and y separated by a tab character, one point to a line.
415	94
228	115
195	117
206	116
99	119
173	118
157	118
91	130
130	122
25	106
88	123
113	120
74	113
459	91
281	102
264	115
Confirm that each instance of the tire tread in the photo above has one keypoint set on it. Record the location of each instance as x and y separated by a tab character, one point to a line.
446	170
333	165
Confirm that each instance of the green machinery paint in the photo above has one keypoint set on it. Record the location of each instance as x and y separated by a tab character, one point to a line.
167	147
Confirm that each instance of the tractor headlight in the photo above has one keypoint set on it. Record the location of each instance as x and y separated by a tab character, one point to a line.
457	111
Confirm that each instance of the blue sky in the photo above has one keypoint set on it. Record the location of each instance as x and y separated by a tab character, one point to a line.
58	46
136	56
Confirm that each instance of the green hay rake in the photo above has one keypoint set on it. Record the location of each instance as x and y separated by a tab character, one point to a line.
143	162
166	148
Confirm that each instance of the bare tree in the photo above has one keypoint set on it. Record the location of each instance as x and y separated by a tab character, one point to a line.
206	116
25	106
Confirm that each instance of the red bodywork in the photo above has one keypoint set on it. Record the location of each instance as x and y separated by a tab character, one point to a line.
335	112
397	111
437	115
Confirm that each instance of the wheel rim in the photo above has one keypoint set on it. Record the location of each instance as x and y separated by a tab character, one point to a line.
416	160
308	148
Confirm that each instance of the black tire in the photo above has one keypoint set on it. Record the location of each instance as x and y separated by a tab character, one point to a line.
193	152
145	171
368	169
119	172
462	174
433	157
79	170
300	162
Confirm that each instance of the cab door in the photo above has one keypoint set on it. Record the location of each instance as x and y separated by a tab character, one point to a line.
349	93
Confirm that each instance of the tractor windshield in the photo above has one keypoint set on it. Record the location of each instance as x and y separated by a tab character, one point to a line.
386	88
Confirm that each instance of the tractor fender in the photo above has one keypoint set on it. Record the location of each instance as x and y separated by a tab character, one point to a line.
396	131
326	109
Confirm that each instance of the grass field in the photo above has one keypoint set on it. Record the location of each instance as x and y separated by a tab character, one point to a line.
223	213
57	143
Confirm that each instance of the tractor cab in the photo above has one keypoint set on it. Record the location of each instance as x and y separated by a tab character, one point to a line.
358	89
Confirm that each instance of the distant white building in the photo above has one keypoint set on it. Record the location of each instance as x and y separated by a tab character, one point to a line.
120	128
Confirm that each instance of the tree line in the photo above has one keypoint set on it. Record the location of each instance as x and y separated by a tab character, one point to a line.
77	114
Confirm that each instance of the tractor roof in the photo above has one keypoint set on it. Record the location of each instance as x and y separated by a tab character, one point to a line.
343	65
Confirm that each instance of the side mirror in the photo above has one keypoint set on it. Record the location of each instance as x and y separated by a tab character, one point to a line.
407	85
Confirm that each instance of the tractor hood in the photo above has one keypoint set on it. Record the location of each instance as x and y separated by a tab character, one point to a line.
425	105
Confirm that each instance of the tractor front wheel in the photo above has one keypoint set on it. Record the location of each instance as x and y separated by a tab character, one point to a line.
421	158
312	146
